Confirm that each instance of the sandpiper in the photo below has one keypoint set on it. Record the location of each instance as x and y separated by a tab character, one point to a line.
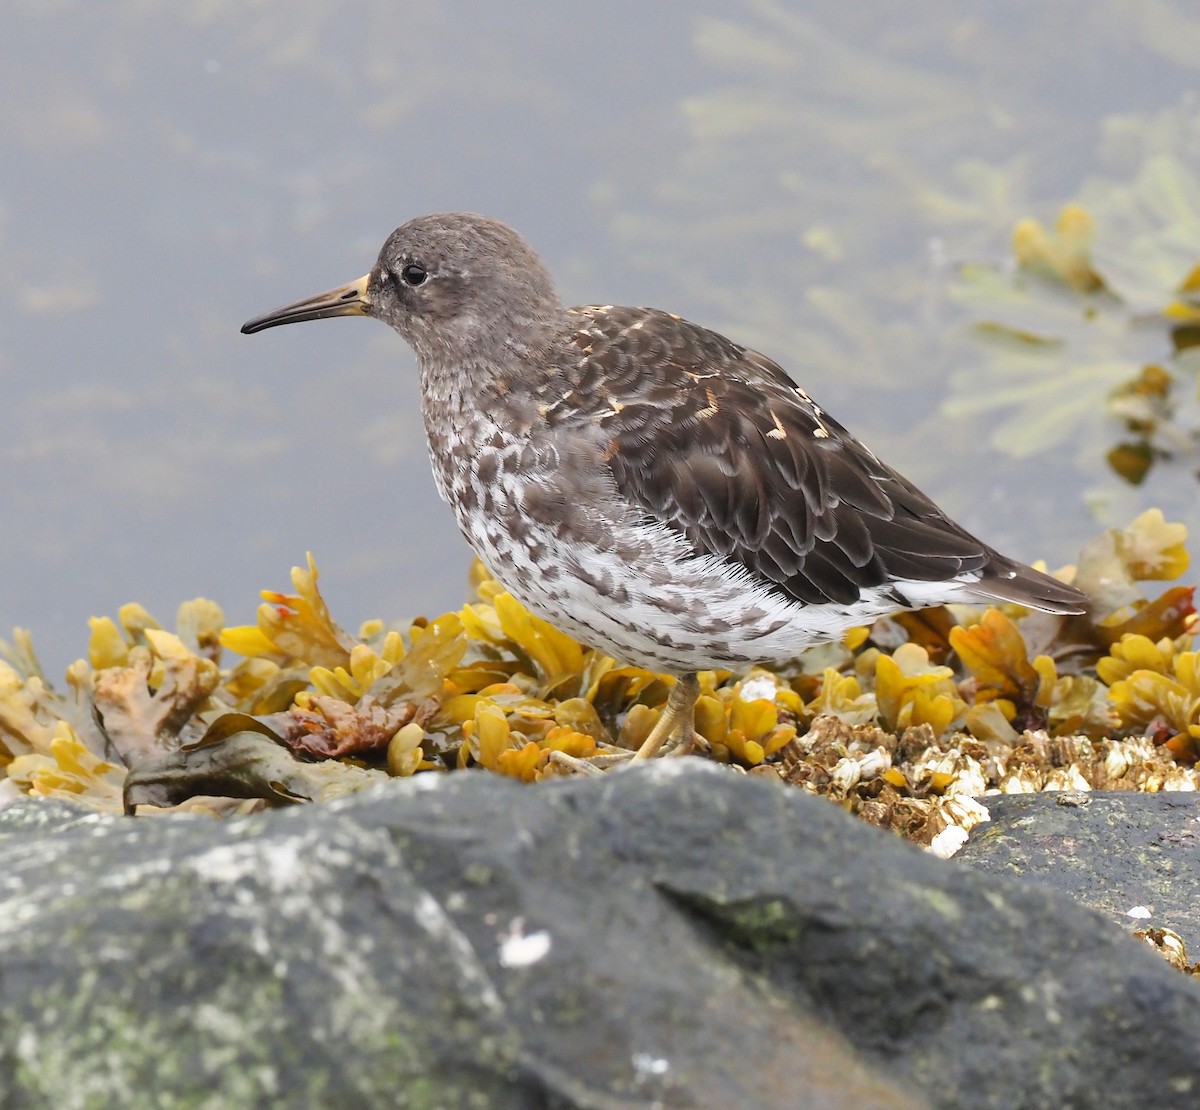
646	484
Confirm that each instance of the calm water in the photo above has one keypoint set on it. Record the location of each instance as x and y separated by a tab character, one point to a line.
803	176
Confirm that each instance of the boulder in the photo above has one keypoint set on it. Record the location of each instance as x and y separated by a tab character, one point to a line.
671	935
1134	857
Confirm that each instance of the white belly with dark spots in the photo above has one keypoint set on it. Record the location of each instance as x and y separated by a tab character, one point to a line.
668	609
634	589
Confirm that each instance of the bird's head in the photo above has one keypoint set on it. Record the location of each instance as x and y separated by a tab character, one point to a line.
451	285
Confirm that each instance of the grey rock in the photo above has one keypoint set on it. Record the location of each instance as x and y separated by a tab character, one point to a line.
1115	851
674	935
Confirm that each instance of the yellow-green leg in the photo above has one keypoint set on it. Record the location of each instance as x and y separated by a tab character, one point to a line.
676	722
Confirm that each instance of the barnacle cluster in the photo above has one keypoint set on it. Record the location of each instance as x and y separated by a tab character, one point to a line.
1169	945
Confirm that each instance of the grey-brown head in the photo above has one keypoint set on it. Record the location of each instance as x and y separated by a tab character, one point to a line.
453	285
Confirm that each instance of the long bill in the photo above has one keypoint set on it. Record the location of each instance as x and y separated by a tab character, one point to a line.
345	300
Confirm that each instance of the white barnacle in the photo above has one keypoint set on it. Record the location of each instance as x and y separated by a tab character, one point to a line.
846	774
961	815
519	948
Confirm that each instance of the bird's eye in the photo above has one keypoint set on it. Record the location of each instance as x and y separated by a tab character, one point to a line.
413	274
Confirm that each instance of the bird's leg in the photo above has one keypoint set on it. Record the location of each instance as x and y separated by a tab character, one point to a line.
677	720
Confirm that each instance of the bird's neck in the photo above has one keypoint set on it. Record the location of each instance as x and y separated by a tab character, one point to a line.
478	370
483	334
473	403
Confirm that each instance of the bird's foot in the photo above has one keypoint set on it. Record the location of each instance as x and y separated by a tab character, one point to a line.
574	764
676	724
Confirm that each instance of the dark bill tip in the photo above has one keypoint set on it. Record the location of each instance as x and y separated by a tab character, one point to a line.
345	300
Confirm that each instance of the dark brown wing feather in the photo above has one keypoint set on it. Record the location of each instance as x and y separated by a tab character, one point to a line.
717	442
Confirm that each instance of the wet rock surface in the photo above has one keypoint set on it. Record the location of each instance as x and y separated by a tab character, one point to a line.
673	935
1135	857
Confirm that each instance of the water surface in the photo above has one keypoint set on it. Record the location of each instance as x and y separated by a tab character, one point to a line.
804	176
